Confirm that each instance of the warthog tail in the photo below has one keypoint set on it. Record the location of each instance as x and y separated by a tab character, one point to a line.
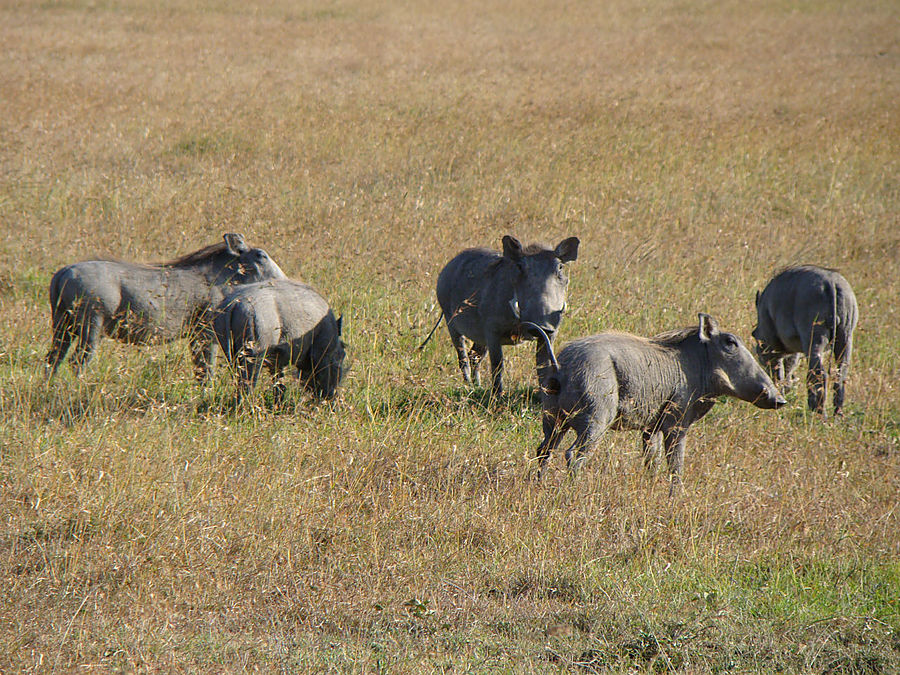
54	298
228	342
832	288
547	343
437	323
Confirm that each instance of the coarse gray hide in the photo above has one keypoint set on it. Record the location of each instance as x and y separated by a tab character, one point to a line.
659	385
486	296
807	310
280	324
144	303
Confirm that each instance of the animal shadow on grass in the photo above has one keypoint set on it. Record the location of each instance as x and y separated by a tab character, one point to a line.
69	407
73	404
517	401
798	413
881	435
296	399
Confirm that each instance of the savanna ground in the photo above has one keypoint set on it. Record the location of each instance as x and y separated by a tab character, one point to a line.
694	147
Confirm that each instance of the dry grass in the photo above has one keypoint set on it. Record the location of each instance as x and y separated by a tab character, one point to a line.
694	148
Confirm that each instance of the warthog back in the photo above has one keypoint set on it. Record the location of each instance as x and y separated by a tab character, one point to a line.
281	324
137	303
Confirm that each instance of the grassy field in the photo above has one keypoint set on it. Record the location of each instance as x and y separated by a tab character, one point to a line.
694	147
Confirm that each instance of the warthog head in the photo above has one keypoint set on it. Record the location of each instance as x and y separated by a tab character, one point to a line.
734	371
540	283
330	365
248	265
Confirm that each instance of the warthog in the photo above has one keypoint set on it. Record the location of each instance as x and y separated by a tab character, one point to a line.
659	385
486	296
803	310
137	303
281	323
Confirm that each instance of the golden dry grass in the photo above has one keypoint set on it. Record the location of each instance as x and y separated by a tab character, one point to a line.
694	148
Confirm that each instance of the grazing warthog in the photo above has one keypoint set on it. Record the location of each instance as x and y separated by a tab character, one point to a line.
803	310
281	323
138	304
659	385
486	296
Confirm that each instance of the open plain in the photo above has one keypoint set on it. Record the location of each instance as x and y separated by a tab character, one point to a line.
694	147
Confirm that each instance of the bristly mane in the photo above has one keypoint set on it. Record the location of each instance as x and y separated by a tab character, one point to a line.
800	266
531	249
674	337
202	255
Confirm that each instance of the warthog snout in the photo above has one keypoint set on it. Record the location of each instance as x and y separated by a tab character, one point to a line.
534	330
770	400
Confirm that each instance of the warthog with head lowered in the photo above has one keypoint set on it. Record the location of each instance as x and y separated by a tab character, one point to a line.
277	324
803	310
659	385
139	304
486	296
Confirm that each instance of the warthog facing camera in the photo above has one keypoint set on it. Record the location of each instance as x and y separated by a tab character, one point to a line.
660	385
139	304
804	310
486	297
277	324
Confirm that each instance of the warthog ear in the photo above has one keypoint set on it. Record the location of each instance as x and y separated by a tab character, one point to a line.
512	247
709	327
235	244
567	249
757	298
340	324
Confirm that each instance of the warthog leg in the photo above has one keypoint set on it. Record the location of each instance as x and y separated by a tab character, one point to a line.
203	355
816	377
459	343
476	355
650	443
495	351
90	330
842	350
553	433
248	366
278	386
63	333
587	437
278	359
788	370
673	442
